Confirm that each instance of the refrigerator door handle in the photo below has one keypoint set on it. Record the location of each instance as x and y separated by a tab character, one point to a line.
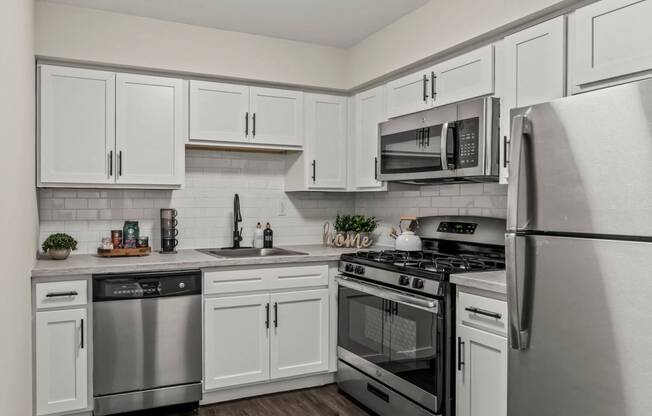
518	290
521	129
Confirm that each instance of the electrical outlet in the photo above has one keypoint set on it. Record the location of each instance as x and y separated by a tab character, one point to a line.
282	208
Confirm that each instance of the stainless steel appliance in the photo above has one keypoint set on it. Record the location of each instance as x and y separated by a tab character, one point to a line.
396	315
578	248
146	340
451	143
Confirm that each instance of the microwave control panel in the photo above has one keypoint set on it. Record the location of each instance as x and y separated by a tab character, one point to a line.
466	151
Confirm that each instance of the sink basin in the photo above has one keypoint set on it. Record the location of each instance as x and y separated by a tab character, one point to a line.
250	252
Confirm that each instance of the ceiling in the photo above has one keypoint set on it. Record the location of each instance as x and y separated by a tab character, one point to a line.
340	23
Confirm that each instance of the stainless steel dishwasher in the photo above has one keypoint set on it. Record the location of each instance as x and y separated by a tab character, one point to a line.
146	340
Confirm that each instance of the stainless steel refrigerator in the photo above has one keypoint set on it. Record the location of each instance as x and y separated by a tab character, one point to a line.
579	255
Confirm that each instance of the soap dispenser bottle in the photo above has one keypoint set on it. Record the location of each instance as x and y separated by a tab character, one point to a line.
258	236
268	237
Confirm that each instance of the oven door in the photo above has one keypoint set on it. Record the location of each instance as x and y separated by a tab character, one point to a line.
394	337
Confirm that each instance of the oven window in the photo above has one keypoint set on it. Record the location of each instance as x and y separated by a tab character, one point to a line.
412	151
401	339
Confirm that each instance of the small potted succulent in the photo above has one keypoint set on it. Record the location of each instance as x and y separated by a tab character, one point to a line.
59	245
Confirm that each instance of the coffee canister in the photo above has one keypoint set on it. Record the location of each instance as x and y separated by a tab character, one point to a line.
130	234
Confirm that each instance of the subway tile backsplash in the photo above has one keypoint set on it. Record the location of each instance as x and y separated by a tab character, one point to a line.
205	205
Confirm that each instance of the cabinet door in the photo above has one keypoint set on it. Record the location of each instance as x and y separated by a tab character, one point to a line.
299	342
219	112
149	130
534	72
236	340
466	76
482	373
276	116
326	126
408	94
61	361
612	39
76	125
369	112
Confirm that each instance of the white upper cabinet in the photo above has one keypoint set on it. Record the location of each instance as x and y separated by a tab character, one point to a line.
149	130
245	116
276	116
61	374
103	129
463	77
612	39
325	152
76	125
369	113
533	72
408	94
299	343
219	112
236	340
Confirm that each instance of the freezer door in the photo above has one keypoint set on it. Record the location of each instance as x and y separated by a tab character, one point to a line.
582	164
588	308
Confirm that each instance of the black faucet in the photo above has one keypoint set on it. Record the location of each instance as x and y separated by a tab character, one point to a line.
237	217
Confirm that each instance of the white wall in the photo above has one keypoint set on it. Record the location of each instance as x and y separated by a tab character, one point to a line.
433	28
74	33
18	220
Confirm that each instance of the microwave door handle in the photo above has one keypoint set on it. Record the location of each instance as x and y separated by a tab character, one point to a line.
521	130
444	146
519	290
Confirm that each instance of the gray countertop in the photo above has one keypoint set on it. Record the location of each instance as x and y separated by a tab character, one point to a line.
492	281
84	264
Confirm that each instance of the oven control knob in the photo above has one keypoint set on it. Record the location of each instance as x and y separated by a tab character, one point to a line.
348	268
359	270
417	283
403	280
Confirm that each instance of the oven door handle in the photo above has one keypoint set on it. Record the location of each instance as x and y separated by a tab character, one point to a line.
415	301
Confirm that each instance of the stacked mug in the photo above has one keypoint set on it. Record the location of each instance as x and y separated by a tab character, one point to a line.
169	230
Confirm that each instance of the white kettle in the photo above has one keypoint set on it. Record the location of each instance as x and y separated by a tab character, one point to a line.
407	240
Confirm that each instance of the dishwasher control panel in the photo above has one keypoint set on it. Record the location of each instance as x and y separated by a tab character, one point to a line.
145	285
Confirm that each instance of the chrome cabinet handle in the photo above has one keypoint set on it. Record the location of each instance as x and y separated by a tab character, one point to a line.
61	294
425	87
521	130
479	311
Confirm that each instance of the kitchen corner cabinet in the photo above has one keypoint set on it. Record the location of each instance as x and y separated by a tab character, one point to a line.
323	163
240	115
461	78
533	72
368	111
482	354
612	43
102	129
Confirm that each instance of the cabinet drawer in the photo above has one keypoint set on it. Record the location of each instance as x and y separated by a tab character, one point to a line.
57	294
482	313
269	278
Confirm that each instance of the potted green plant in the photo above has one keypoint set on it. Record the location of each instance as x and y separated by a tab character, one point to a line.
59	245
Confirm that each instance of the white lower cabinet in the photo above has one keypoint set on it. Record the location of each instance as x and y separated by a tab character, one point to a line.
61	367
236	340
263	337
481	367
482	373
299	343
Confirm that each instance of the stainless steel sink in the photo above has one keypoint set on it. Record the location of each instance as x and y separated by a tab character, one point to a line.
249	252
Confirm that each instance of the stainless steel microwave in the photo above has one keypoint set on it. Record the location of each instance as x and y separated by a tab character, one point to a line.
452	143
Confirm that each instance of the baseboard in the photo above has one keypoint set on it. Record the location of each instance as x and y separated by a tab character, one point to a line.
259	389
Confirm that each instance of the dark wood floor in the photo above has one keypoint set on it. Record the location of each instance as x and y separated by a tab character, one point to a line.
318	401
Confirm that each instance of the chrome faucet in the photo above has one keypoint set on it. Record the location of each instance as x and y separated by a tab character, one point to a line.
237	217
